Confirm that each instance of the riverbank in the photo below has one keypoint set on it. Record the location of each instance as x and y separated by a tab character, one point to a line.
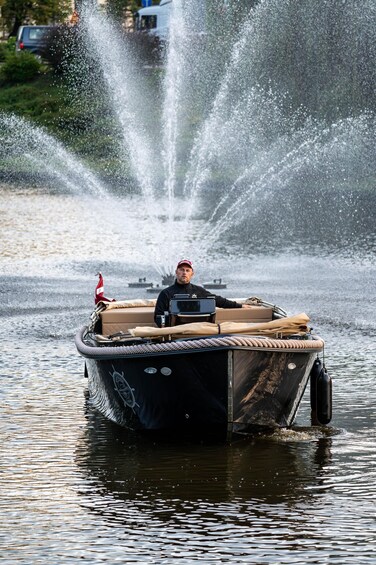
84	125
43	100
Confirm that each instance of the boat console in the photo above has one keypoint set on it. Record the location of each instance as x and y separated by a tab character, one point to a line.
185	310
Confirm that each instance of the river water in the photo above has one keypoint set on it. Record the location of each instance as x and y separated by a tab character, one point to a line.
76	488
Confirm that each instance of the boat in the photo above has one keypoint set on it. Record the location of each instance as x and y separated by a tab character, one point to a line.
167	280
216	283
155	289
205	370
141	283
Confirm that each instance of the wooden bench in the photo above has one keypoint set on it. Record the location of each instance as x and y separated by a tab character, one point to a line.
122	319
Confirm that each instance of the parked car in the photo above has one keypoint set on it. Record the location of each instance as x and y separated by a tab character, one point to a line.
32	38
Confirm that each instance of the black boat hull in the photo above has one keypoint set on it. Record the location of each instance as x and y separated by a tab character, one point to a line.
224	390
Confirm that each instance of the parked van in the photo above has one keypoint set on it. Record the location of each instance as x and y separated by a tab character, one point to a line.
154	19
32	38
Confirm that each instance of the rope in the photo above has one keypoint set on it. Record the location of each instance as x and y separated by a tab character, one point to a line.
210	342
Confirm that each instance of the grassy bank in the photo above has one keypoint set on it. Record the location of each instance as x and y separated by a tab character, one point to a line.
42	100
82	122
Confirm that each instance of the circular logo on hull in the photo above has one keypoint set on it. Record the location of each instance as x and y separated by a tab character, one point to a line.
123	388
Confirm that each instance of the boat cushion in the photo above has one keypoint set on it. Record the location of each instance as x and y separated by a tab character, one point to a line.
255	314
122	319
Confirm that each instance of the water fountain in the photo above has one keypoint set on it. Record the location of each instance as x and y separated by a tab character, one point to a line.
247	130
35	152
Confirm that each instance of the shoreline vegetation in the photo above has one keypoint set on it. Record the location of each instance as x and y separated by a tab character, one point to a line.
85	128
45	103
65	94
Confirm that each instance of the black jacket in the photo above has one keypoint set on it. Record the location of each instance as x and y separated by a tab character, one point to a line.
194	291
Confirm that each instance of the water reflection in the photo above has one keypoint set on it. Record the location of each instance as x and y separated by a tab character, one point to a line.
161	476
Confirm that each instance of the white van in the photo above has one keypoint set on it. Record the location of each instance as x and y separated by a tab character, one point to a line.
154	19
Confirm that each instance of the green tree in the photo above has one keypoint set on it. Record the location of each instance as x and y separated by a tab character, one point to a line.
18	12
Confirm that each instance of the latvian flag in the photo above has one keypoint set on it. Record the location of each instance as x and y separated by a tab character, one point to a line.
99	291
